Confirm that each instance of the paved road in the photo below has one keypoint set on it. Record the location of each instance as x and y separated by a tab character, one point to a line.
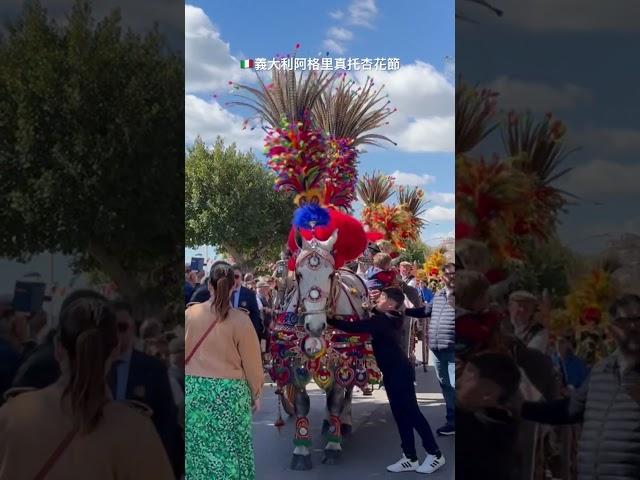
373	445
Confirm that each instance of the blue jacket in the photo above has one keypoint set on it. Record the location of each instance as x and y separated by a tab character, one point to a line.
574	370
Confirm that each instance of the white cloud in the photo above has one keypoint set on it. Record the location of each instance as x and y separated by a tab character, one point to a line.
336	39
435	239
435	134
336	15
570	15
440	214
609	139
412	179
441	197
340	33
334	46
209	64
424	98
362	12
602	177
209	120
521	95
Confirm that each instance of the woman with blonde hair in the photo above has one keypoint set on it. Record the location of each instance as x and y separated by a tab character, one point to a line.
223	382
73	428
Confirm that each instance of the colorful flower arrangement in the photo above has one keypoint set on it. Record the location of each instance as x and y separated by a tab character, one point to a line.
399	223
434	263
585	315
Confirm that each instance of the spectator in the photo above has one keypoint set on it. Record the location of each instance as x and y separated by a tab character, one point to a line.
406	273
442	343
249	281
574	370
202	293
380	275
189	285
13	333
176	360
522	309
72	429
135	375
37	332
607	404
487	429
399	375
151	329
244	298
224	378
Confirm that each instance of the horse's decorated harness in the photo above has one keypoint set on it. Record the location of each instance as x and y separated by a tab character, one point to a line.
335	356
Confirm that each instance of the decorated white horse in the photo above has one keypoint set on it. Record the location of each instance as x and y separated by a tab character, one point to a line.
303	347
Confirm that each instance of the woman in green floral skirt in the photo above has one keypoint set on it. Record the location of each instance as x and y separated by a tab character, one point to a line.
224	379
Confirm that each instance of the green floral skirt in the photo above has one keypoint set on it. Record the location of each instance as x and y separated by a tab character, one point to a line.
218	438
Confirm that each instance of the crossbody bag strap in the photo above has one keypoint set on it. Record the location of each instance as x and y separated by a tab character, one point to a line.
55	456
206	333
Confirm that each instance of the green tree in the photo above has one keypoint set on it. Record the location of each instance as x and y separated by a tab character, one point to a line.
91	149
416	251
230	203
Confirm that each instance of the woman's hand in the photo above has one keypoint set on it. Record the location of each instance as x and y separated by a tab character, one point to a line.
255	408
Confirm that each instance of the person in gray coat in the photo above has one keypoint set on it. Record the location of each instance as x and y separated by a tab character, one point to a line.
442	339
607	404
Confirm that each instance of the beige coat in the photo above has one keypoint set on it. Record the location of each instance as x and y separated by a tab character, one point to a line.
124	446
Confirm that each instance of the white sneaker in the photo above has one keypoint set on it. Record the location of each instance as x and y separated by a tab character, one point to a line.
403	465
431	464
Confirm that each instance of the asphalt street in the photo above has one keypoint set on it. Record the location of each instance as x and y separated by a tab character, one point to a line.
373	445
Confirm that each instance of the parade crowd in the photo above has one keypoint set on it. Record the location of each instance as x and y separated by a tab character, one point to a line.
50	377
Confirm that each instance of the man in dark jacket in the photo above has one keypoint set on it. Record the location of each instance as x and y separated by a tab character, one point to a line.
246	299
137	376
607	404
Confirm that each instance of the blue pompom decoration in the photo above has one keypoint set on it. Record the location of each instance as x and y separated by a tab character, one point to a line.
310	215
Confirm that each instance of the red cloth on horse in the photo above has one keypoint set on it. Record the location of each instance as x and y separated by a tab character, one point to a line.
351	242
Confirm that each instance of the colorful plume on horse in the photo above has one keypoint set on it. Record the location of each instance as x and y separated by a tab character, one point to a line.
310	215
297	154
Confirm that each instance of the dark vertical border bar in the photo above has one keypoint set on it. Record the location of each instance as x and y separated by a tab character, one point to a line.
92	198
546	143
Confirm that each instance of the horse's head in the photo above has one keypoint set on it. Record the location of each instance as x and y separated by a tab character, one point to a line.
315	267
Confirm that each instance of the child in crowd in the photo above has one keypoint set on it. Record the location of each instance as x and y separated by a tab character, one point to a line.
385	328
380	275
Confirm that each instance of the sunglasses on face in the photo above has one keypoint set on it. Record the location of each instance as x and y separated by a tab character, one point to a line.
238	276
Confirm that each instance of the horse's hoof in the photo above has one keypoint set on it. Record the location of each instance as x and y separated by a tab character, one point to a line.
345	430
301	462
332	457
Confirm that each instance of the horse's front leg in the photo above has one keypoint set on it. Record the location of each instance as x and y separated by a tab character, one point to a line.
333	448
346	421
301	459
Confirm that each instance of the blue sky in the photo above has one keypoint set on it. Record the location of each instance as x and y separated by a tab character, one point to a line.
421	34
573	59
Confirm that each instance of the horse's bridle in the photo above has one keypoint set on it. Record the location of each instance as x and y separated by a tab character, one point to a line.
314	258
